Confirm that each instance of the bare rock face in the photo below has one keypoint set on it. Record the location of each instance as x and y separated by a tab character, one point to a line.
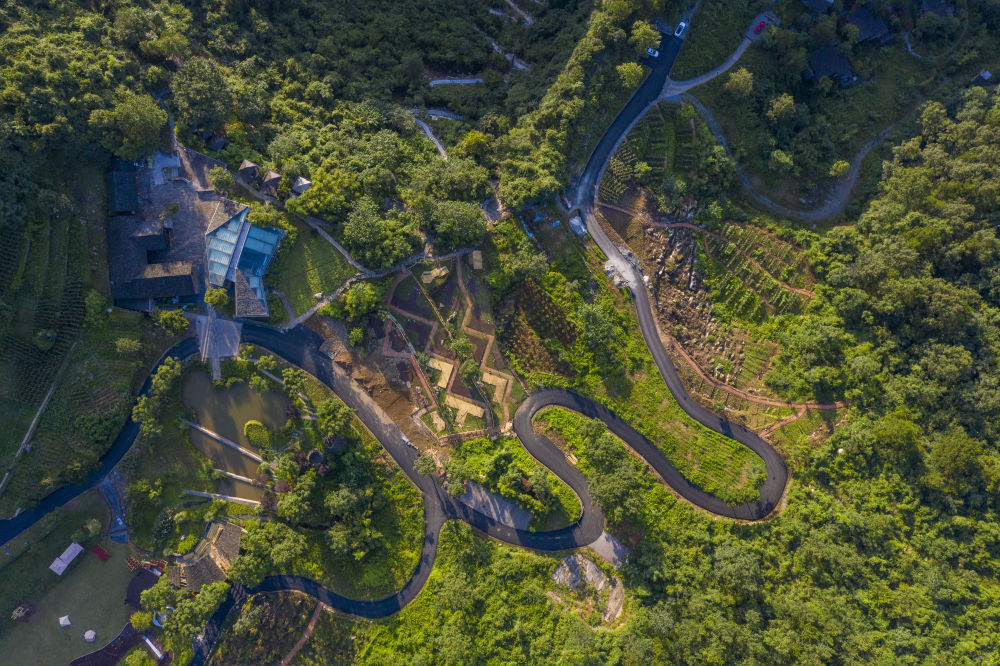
592	574
616	602
581	575
567	574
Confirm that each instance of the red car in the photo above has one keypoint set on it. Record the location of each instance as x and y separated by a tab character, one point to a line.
760	26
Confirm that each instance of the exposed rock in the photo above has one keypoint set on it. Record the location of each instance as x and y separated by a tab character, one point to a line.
616	602
577	571
567	574
592	574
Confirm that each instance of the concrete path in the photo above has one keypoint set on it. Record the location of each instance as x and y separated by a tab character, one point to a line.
224	498
228	442
525	16
495	506
610	548
454	81
430	135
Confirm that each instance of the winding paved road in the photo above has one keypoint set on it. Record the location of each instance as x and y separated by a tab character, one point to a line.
301	347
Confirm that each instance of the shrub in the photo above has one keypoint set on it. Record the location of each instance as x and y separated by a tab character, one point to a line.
425	465
127	346
172	321
142	620
217	297
356	337
258	435
45	339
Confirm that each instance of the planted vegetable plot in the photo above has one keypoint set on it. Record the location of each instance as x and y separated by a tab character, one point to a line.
779	258
747	291
544	315
47	314
619	173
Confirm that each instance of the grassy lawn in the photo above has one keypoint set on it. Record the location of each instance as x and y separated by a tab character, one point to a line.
309	267
91	593
24	561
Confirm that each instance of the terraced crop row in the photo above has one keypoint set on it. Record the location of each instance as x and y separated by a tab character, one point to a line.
619	173
760	284
780	258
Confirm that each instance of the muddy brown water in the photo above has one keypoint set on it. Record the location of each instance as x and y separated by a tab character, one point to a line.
225	411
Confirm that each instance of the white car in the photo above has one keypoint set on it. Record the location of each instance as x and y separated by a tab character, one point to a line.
682	28
652	53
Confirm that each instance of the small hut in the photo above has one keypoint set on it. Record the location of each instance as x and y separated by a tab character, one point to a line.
64	621
248	170
269	183
301	185
60	563
90	635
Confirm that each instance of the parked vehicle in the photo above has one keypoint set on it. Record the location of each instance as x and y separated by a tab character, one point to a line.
682	28
760	26
652	53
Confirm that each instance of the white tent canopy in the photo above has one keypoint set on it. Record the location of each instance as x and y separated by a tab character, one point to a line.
60	563
64	621
90	635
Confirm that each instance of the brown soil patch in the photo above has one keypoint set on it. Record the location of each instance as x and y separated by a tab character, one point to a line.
378	376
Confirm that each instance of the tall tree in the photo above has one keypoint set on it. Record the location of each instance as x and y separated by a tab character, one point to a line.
132	128
202	94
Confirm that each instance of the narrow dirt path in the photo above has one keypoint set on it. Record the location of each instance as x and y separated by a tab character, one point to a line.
305	637
430	135
836	199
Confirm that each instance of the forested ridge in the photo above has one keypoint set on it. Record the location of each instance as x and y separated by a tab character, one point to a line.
888	549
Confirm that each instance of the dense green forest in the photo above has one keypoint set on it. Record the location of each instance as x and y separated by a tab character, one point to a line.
791	129
888	549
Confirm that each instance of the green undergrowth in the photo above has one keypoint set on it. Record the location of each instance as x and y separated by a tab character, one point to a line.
484	602
506	468
311	266
716	30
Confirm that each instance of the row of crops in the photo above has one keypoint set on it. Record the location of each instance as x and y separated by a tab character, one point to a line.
48	313
660	145
544	314
780	258
746	291
525	347
619	173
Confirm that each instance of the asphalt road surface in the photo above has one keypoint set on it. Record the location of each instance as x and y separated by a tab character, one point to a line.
645	96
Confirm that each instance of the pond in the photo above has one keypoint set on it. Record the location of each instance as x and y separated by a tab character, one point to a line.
225	411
